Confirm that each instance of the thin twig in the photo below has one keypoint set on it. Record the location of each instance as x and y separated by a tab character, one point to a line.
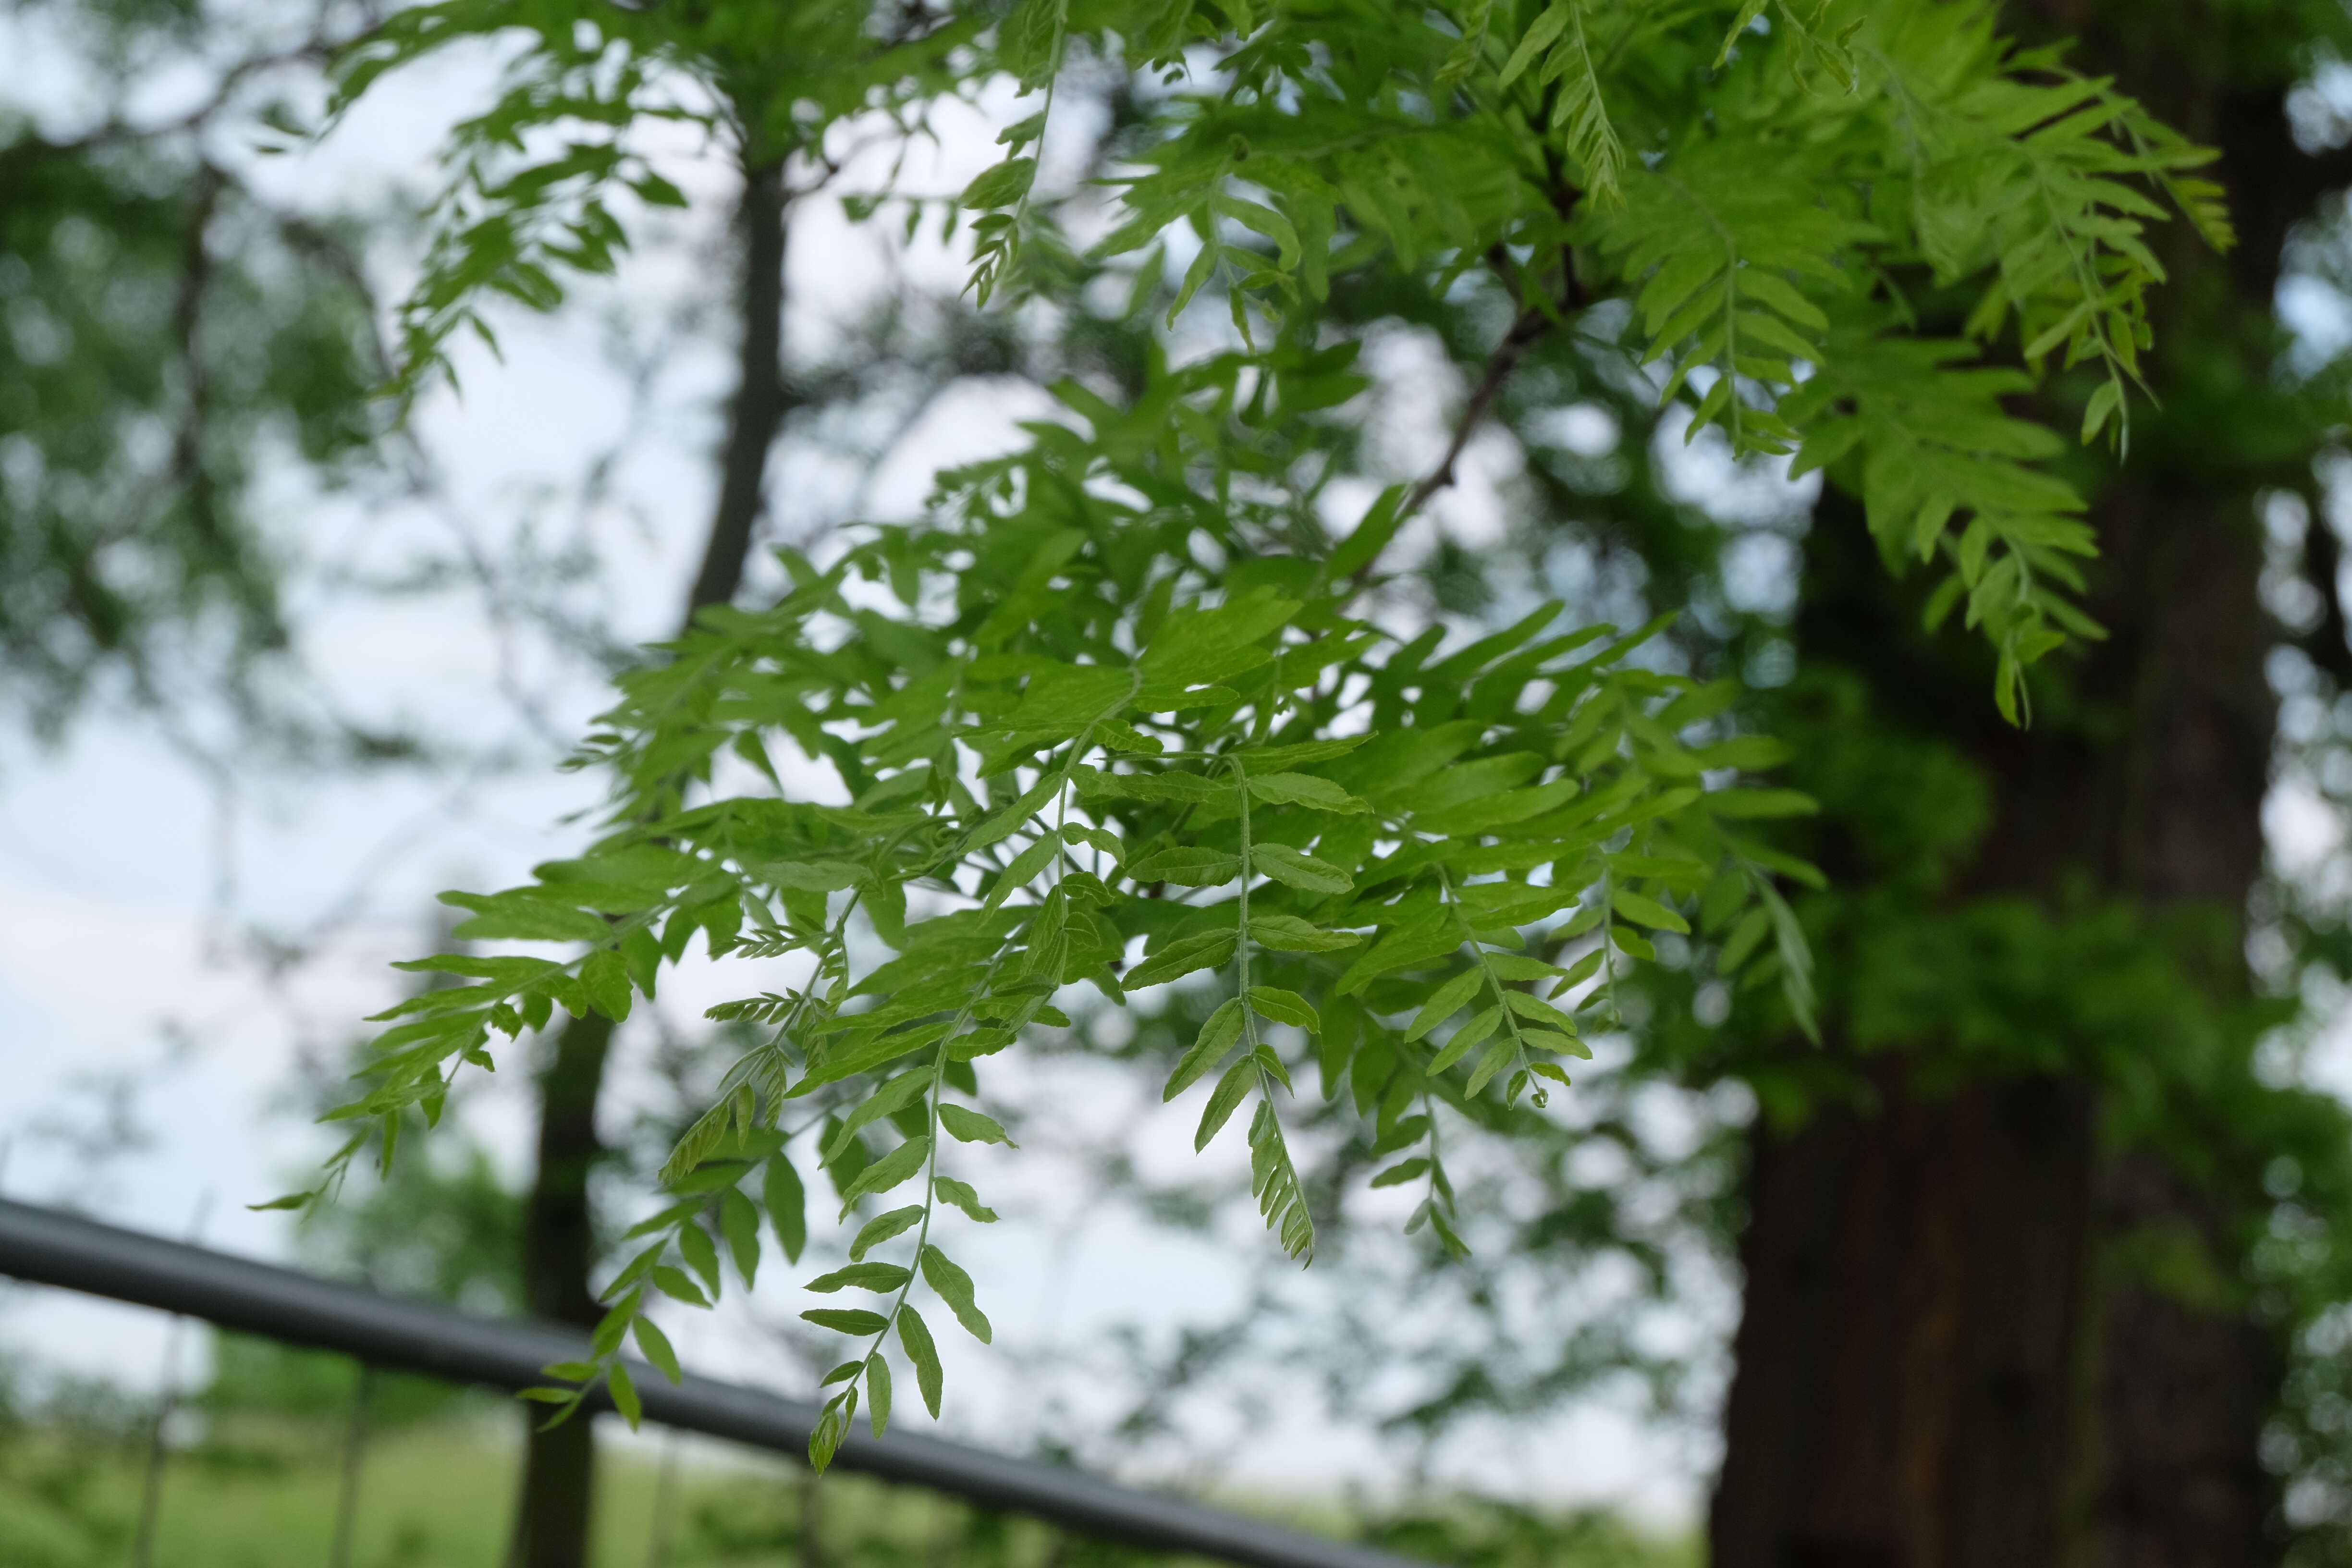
1539	314
1529	326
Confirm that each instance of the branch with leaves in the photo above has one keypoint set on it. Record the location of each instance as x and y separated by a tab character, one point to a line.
1116	715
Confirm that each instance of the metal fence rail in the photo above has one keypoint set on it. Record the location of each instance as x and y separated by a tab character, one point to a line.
46	1247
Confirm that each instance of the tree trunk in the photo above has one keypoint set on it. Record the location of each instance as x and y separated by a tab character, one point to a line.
761	398
1915	1302
1947	1357
1940	1363
559	1226
559	1243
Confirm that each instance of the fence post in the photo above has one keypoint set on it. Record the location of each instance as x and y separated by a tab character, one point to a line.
347	1499
151	1491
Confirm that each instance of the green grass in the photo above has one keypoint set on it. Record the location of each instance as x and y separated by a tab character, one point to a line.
264	1495
425	1497
261	1492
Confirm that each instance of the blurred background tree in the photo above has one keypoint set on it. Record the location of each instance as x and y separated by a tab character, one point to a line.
171	335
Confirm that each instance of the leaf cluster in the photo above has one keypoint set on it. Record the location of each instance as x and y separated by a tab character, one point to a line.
1773	200
1080	748
1122	713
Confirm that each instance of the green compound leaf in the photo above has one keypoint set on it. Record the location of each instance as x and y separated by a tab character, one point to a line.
916	1336
1303	789
1296	868
1464	1037
1541	34
961	1194
1001	184
879	1278
1024	869
1536	1010
605	978
700	1254
1289	933
1285	1008
882	1227
900	1164
1498	1056
1216	1037
832	1427
971	1127
656	1347
1210	949
1225	1099
877	1392
1646	911
674	1283
898	1092
954	1287
1187	868
1446	1002
624	1394
738	1221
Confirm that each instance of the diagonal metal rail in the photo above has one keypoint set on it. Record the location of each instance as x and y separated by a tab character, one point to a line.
46	1247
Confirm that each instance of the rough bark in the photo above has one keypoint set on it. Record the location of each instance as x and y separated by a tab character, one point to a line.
1945	1361
559	1238
761	398
559	1229
1914	1304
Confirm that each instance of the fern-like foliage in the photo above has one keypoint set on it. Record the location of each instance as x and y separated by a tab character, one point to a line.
1572	82
1080	751
1117	714
1842	150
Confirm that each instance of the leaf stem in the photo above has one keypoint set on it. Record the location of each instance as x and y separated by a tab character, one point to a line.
1522	1066
930	1195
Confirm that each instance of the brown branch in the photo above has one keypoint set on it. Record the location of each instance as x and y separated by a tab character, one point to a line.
763	398
1531	324
1539	314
